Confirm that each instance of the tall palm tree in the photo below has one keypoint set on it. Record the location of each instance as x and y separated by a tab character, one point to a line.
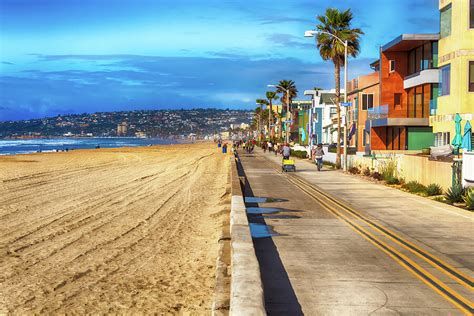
337	23
260	103
284	87
271	95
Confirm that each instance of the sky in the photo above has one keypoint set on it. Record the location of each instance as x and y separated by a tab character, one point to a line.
77	56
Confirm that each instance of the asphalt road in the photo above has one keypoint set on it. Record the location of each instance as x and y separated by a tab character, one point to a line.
346	246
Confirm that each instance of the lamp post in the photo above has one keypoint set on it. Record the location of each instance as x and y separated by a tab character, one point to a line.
287	91
313	33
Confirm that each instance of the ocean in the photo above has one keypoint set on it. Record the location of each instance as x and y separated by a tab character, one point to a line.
28	146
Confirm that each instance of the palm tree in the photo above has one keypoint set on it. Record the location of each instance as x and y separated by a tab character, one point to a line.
287	86
338	24
271	95
260	102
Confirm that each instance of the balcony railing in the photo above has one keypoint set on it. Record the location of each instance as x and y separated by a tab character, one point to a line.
378	112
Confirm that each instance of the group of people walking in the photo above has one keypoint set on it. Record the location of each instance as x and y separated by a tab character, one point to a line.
317	152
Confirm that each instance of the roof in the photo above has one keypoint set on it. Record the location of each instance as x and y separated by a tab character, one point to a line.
406	42
327	98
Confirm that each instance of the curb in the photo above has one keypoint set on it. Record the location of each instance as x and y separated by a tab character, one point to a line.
246	293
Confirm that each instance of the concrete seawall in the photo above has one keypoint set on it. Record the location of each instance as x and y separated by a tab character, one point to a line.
246	293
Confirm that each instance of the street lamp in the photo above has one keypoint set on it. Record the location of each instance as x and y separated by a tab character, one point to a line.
313	33
287	135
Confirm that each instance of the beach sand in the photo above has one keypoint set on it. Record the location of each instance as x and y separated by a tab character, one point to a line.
127	230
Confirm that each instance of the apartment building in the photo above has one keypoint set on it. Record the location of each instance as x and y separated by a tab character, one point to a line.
408	85
456	64
363	94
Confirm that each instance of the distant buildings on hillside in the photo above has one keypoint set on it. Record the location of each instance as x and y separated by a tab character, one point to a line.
158	123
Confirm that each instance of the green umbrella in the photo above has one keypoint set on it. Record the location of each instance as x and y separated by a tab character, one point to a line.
457	140
467	138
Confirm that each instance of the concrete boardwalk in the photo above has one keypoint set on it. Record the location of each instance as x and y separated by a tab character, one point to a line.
320	265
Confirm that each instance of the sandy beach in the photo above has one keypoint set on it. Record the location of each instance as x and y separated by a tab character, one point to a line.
127	230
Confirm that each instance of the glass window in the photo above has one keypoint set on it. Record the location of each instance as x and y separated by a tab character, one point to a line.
397	99
445	21
392	65
418	59
471	76
471	16
434	49
427	57
411	62
445	80
418	101
411	103
367	101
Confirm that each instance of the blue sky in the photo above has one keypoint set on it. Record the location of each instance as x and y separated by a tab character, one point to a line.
76	56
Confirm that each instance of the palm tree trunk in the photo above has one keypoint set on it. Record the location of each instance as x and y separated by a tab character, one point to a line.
270	120
337	77
280	125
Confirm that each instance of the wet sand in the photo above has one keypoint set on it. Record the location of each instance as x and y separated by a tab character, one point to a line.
128	230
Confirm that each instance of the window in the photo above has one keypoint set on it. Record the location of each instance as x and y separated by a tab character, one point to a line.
445	80
367	102
419	59
471	74
411	62
442	139
397	99
445	21
427	62
392	65
471	15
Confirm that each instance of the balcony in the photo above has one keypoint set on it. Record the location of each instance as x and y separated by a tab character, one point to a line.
378	112
379	116
422	77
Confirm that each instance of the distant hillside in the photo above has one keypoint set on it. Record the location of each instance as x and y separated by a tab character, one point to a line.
163	123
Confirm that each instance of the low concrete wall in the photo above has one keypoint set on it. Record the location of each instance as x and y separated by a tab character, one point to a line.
410	167
246	296
425	171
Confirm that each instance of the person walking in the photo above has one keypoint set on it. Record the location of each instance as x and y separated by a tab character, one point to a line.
318	156
270	146
286	151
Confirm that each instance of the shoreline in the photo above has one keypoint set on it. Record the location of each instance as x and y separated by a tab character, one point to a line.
53	145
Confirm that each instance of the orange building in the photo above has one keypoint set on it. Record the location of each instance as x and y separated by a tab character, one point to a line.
408	77
363	93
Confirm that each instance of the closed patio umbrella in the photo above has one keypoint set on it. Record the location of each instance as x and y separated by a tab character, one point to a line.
467	138
457	140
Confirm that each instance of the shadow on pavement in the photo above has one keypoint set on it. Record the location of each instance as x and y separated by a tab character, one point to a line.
280	298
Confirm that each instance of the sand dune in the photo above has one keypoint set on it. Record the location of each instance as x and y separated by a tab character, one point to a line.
117	230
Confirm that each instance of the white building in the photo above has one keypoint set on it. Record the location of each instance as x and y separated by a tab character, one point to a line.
328	102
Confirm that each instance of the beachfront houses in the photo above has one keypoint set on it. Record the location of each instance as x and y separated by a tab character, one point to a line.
408	84
363	93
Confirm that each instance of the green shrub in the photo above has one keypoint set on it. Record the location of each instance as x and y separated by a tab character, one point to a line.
376	175
329	164
392	180
414	187
366	172
299	153
469	199
388	170
439	199
354	170
455	194
434	189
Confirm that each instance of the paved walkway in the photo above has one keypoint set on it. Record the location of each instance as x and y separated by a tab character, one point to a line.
320	264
